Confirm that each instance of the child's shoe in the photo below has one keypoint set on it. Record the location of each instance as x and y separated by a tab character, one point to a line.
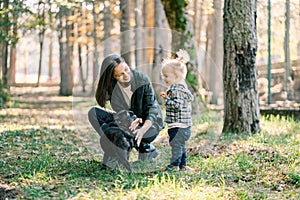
172	168
186	168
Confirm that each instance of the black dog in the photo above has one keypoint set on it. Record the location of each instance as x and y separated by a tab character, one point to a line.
116	143
124	118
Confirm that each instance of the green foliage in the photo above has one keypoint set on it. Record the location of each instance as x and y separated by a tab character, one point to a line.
9	22
175	11
191	79
4	95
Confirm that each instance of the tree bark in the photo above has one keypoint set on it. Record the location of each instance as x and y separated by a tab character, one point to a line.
160	45
4	45
138	34
12	68
125	33
96	53
42	29
107	28
65	51
41	36
241	106
50	65
80	68
215	75
287	50
148	37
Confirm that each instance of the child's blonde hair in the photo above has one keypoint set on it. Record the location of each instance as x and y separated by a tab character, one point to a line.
177	66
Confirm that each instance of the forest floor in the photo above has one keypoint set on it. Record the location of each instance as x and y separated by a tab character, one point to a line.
48	150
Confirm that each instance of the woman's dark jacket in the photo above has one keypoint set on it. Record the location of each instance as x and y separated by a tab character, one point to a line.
143	100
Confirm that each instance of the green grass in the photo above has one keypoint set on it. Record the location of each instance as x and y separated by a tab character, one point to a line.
42	157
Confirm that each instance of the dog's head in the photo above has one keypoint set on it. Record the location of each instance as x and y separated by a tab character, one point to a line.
124	118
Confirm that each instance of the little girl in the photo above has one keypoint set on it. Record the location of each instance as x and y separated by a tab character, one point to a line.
178	108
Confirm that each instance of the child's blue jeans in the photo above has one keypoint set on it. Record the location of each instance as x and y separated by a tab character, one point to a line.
178	137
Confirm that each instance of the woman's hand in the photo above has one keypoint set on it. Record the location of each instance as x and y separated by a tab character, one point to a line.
163	94
139	133
135	124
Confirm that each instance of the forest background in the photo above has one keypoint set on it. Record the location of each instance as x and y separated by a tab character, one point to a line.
63	42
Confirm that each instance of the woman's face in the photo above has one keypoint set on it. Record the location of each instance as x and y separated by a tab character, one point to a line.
122	73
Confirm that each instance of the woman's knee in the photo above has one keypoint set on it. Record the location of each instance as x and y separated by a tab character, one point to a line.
92	114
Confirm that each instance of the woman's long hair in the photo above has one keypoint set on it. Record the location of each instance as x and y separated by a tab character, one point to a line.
107	81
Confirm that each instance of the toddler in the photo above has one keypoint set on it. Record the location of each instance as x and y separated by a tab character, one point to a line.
178	109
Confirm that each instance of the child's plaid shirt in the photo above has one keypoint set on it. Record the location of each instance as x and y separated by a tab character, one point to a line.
178	105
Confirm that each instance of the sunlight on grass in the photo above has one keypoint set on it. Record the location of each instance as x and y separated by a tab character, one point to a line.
44	157
163	187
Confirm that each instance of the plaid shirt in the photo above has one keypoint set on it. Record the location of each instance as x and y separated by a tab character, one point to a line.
178	105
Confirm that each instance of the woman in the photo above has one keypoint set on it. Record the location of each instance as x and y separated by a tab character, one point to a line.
127	89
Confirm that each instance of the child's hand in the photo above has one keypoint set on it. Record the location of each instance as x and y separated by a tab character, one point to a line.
163	94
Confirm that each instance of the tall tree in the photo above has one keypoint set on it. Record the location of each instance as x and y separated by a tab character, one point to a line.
160	44
176	15
4	40
50	65
182	38
148	42
241	107
13	50
65	52
80	42
138	33
125	33
216	54
287	48
96	53
107	20
41	32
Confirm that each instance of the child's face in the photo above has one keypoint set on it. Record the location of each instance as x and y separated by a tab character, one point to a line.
169	76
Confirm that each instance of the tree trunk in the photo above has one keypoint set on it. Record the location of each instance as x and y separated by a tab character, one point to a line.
287	50
195	18
241	107
199	25
4	45
40	58
12	68
138	34
80	68
215	74
50	65
160	45
125	33
65	51
87	63
50	60
148	37
107	28
96	53
207	59
42	29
